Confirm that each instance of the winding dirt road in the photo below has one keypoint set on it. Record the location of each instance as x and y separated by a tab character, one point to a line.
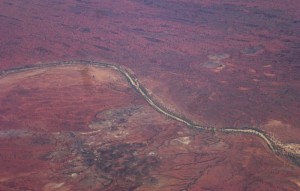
290	151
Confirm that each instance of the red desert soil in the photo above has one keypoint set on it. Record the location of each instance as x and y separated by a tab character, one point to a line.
85	128
218	63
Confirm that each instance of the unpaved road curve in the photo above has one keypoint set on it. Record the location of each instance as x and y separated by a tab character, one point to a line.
290	151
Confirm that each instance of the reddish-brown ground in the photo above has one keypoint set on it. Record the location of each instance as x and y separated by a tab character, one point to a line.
218	63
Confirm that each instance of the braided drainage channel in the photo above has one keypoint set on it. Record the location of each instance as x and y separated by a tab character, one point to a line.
290	151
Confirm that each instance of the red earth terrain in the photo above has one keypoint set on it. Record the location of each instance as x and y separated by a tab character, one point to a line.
220	64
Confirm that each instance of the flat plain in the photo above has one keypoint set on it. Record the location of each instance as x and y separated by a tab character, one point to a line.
221	64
